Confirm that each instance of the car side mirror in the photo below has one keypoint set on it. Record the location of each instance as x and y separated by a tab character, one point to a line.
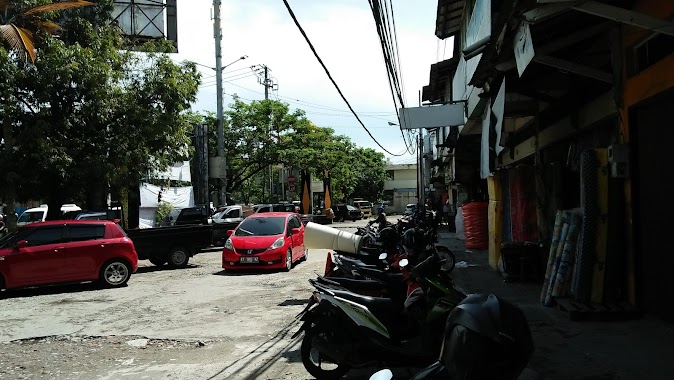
295	231
230	232
21	244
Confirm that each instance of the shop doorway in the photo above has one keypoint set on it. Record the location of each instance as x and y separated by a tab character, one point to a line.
653	187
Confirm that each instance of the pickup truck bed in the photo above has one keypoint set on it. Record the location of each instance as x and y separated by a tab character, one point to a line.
173	245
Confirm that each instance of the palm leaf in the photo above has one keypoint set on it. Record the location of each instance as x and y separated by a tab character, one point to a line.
27	38
11	36
57	7
49	27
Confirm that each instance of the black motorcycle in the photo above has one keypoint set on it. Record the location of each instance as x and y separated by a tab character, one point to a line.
485	338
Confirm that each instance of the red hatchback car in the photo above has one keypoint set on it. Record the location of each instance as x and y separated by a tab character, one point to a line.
67	251
265	240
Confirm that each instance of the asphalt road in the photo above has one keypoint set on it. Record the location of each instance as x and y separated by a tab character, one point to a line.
194	323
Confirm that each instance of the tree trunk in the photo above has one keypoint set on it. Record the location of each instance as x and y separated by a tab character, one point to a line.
97	193
134	204
11	177
55	201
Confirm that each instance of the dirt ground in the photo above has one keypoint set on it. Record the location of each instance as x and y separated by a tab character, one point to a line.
194	323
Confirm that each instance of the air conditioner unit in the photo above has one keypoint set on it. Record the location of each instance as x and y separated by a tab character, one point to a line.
618	160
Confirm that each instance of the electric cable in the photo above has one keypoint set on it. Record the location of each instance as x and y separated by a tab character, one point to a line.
327	72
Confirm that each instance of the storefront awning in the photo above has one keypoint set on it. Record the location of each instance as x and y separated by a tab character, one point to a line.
448	20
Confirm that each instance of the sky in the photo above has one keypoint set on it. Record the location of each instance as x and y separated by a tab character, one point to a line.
344	35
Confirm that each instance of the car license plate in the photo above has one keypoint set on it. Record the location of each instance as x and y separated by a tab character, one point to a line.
249	260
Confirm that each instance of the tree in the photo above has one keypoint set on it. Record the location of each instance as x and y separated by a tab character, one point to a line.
99	116
19	28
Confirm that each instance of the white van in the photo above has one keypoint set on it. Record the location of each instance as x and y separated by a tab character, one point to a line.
39	214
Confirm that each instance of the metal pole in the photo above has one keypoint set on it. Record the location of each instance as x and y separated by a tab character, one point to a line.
266	97
217	34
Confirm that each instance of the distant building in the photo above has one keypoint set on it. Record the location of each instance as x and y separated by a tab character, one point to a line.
401	187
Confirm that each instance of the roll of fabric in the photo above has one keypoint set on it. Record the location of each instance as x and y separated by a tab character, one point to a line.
567	257
588	234
555	264
556	234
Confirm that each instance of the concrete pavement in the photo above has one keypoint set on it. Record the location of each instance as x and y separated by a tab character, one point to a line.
565	349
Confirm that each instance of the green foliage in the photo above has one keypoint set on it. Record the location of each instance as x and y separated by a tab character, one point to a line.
89	114
295	142
162	213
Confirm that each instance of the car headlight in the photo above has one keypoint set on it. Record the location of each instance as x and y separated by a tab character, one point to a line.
229	245
278	243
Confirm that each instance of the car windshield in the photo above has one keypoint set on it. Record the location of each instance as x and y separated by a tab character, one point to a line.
261	226
351	208
31	216
218	215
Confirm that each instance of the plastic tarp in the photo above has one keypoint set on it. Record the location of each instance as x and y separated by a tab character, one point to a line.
180	171
179	197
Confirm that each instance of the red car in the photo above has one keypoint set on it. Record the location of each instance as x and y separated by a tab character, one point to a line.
265	240
67	251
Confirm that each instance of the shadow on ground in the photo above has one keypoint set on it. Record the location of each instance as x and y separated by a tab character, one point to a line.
48	290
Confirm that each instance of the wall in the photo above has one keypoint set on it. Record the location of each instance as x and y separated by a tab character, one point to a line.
652	81
404	177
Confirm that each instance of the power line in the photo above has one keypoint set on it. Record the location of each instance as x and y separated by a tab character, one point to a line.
311	46
381	17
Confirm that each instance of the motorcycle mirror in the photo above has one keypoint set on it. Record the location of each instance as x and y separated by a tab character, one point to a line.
384	374
383	256
403	263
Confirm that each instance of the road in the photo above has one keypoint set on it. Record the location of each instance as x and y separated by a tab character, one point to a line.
194	323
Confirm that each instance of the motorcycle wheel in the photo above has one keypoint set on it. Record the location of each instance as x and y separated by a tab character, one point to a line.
311	358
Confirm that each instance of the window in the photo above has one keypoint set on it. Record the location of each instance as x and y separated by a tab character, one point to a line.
294	222
233	213
86	232
31	216
391	174
45	235
261	226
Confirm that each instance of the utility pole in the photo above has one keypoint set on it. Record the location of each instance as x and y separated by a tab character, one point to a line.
268	83
217	34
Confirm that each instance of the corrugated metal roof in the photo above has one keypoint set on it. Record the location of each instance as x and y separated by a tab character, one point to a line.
448	20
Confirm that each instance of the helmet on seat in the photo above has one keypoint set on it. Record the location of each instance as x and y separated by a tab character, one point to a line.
488	338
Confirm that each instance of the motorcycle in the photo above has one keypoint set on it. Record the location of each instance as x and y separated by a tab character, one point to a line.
485	338
354	331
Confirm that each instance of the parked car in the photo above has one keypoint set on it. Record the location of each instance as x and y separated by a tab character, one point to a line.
225	220
39	214
172	244
410	209
365	207
66	251
190	215
344	211
276	207
265	240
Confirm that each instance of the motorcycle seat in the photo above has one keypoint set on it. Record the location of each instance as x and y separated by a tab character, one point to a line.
380	275
355	262
383	308
352	284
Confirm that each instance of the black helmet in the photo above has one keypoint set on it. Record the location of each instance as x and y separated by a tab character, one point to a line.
486	338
